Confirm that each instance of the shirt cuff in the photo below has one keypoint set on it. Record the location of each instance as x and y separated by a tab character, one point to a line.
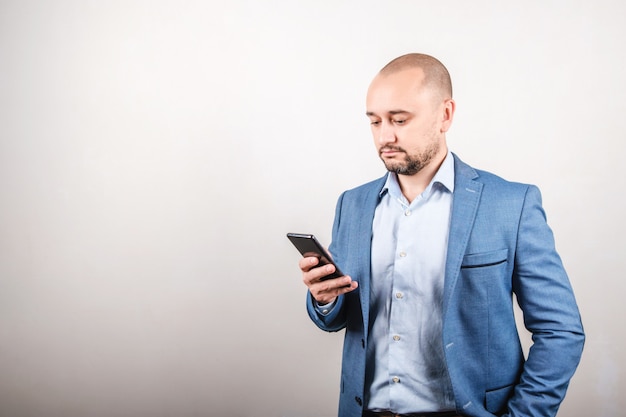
324	309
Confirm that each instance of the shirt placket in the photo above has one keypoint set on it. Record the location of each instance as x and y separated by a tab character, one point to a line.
400	303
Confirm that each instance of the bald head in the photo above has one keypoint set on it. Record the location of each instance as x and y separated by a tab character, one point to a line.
436	75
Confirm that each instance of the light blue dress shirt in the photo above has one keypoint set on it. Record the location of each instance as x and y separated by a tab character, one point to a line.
406	370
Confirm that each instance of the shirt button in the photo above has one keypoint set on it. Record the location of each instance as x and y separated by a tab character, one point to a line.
396	338
399	295
402	254
395	379
407	212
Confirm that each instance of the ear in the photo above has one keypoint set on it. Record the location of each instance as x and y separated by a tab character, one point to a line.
448	114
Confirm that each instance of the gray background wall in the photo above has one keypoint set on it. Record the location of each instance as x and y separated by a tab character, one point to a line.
153	154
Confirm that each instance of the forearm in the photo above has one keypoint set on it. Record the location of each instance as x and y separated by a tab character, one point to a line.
551	363
551	314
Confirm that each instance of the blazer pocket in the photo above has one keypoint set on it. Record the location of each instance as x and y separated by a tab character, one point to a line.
497	399
484	259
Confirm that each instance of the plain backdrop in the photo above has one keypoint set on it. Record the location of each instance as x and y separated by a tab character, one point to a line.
153	154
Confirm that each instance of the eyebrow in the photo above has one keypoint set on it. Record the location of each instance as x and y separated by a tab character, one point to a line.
390	112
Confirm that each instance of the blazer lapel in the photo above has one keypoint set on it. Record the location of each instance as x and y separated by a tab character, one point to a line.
465	200
362	242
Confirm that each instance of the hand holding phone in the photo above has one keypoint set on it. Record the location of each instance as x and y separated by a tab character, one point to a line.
308	245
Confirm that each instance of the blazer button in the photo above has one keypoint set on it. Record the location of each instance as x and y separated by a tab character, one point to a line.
358	400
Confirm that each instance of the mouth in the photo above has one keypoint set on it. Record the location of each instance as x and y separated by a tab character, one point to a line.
389	152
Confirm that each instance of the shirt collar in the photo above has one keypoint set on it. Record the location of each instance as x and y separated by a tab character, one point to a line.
444	176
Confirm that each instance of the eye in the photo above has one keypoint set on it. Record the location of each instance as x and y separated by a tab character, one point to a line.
400	121
375	122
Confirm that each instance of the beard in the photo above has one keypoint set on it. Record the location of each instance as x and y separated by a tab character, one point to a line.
412	164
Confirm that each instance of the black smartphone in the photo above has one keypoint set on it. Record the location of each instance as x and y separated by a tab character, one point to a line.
308	245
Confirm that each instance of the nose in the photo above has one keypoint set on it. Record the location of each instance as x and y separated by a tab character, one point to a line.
386	134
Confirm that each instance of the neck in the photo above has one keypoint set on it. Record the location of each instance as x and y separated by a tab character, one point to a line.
414	185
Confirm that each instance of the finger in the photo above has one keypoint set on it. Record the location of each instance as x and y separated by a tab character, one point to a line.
326	291
333	286
307	263
317	274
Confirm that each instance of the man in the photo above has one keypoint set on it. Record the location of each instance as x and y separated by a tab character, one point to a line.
433	253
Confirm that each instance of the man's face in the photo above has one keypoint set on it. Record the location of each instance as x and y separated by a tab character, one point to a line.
408	121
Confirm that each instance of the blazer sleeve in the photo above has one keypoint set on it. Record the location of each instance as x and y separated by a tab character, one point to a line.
336	319
550	312
332	322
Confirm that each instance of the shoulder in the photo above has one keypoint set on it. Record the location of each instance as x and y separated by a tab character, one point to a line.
490	181
361	200
365	190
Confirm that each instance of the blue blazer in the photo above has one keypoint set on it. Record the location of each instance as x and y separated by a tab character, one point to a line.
499	245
